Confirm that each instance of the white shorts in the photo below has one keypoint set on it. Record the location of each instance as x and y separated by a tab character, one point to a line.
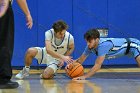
44	58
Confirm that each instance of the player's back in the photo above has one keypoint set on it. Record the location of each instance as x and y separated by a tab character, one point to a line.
117	42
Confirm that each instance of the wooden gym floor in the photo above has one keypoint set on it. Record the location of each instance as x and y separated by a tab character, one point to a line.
112	80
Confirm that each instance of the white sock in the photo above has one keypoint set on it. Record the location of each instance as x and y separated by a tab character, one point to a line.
27	68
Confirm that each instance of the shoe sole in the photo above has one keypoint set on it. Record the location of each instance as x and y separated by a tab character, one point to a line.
20	78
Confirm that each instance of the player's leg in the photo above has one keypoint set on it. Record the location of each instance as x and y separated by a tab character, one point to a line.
138	60
135	50
49	72
30	54
137	54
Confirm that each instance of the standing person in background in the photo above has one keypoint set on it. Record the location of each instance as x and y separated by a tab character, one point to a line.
7	40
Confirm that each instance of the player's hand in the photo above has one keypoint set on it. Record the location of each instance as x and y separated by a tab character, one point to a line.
29	21
68	67
61	63
74	60
67	59
79	78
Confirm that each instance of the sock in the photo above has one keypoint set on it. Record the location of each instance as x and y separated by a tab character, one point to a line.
27	68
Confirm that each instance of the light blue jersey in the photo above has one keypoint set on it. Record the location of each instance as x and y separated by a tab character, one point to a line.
115	47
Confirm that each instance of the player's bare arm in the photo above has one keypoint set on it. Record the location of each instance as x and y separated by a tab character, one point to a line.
55	54
96	67
93	70
70	50
81	59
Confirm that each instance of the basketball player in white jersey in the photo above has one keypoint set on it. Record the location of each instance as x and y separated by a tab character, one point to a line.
59	45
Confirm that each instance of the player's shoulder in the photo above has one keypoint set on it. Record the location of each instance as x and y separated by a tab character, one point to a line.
105	41
69	34
50	31
111	39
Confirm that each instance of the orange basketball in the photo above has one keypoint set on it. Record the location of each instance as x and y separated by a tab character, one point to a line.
75	69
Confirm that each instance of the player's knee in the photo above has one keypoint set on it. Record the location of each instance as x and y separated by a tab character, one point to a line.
31	52
47	75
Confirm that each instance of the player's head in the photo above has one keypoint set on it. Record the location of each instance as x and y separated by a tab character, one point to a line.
92	37
60	28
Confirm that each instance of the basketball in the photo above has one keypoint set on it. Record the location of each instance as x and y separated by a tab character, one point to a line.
75	69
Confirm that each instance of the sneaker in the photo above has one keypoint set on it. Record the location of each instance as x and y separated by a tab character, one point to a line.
41	76
9	85
22	74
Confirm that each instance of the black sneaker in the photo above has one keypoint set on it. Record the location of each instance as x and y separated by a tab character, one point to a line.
9	85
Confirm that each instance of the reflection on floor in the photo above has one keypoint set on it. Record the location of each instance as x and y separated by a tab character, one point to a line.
102	82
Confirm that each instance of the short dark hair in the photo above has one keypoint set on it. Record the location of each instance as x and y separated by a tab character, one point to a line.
59	26
91	34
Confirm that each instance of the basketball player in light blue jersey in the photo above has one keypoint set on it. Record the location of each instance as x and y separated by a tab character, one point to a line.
107	48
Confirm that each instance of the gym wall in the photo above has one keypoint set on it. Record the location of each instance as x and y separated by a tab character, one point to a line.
121	17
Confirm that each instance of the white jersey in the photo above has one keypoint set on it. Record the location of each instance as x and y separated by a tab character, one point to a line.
63	46
59	45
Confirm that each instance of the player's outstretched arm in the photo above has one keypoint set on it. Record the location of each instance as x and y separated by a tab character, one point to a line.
81	59
93	70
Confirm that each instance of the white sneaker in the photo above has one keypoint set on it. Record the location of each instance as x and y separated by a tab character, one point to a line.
23	73
41	76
